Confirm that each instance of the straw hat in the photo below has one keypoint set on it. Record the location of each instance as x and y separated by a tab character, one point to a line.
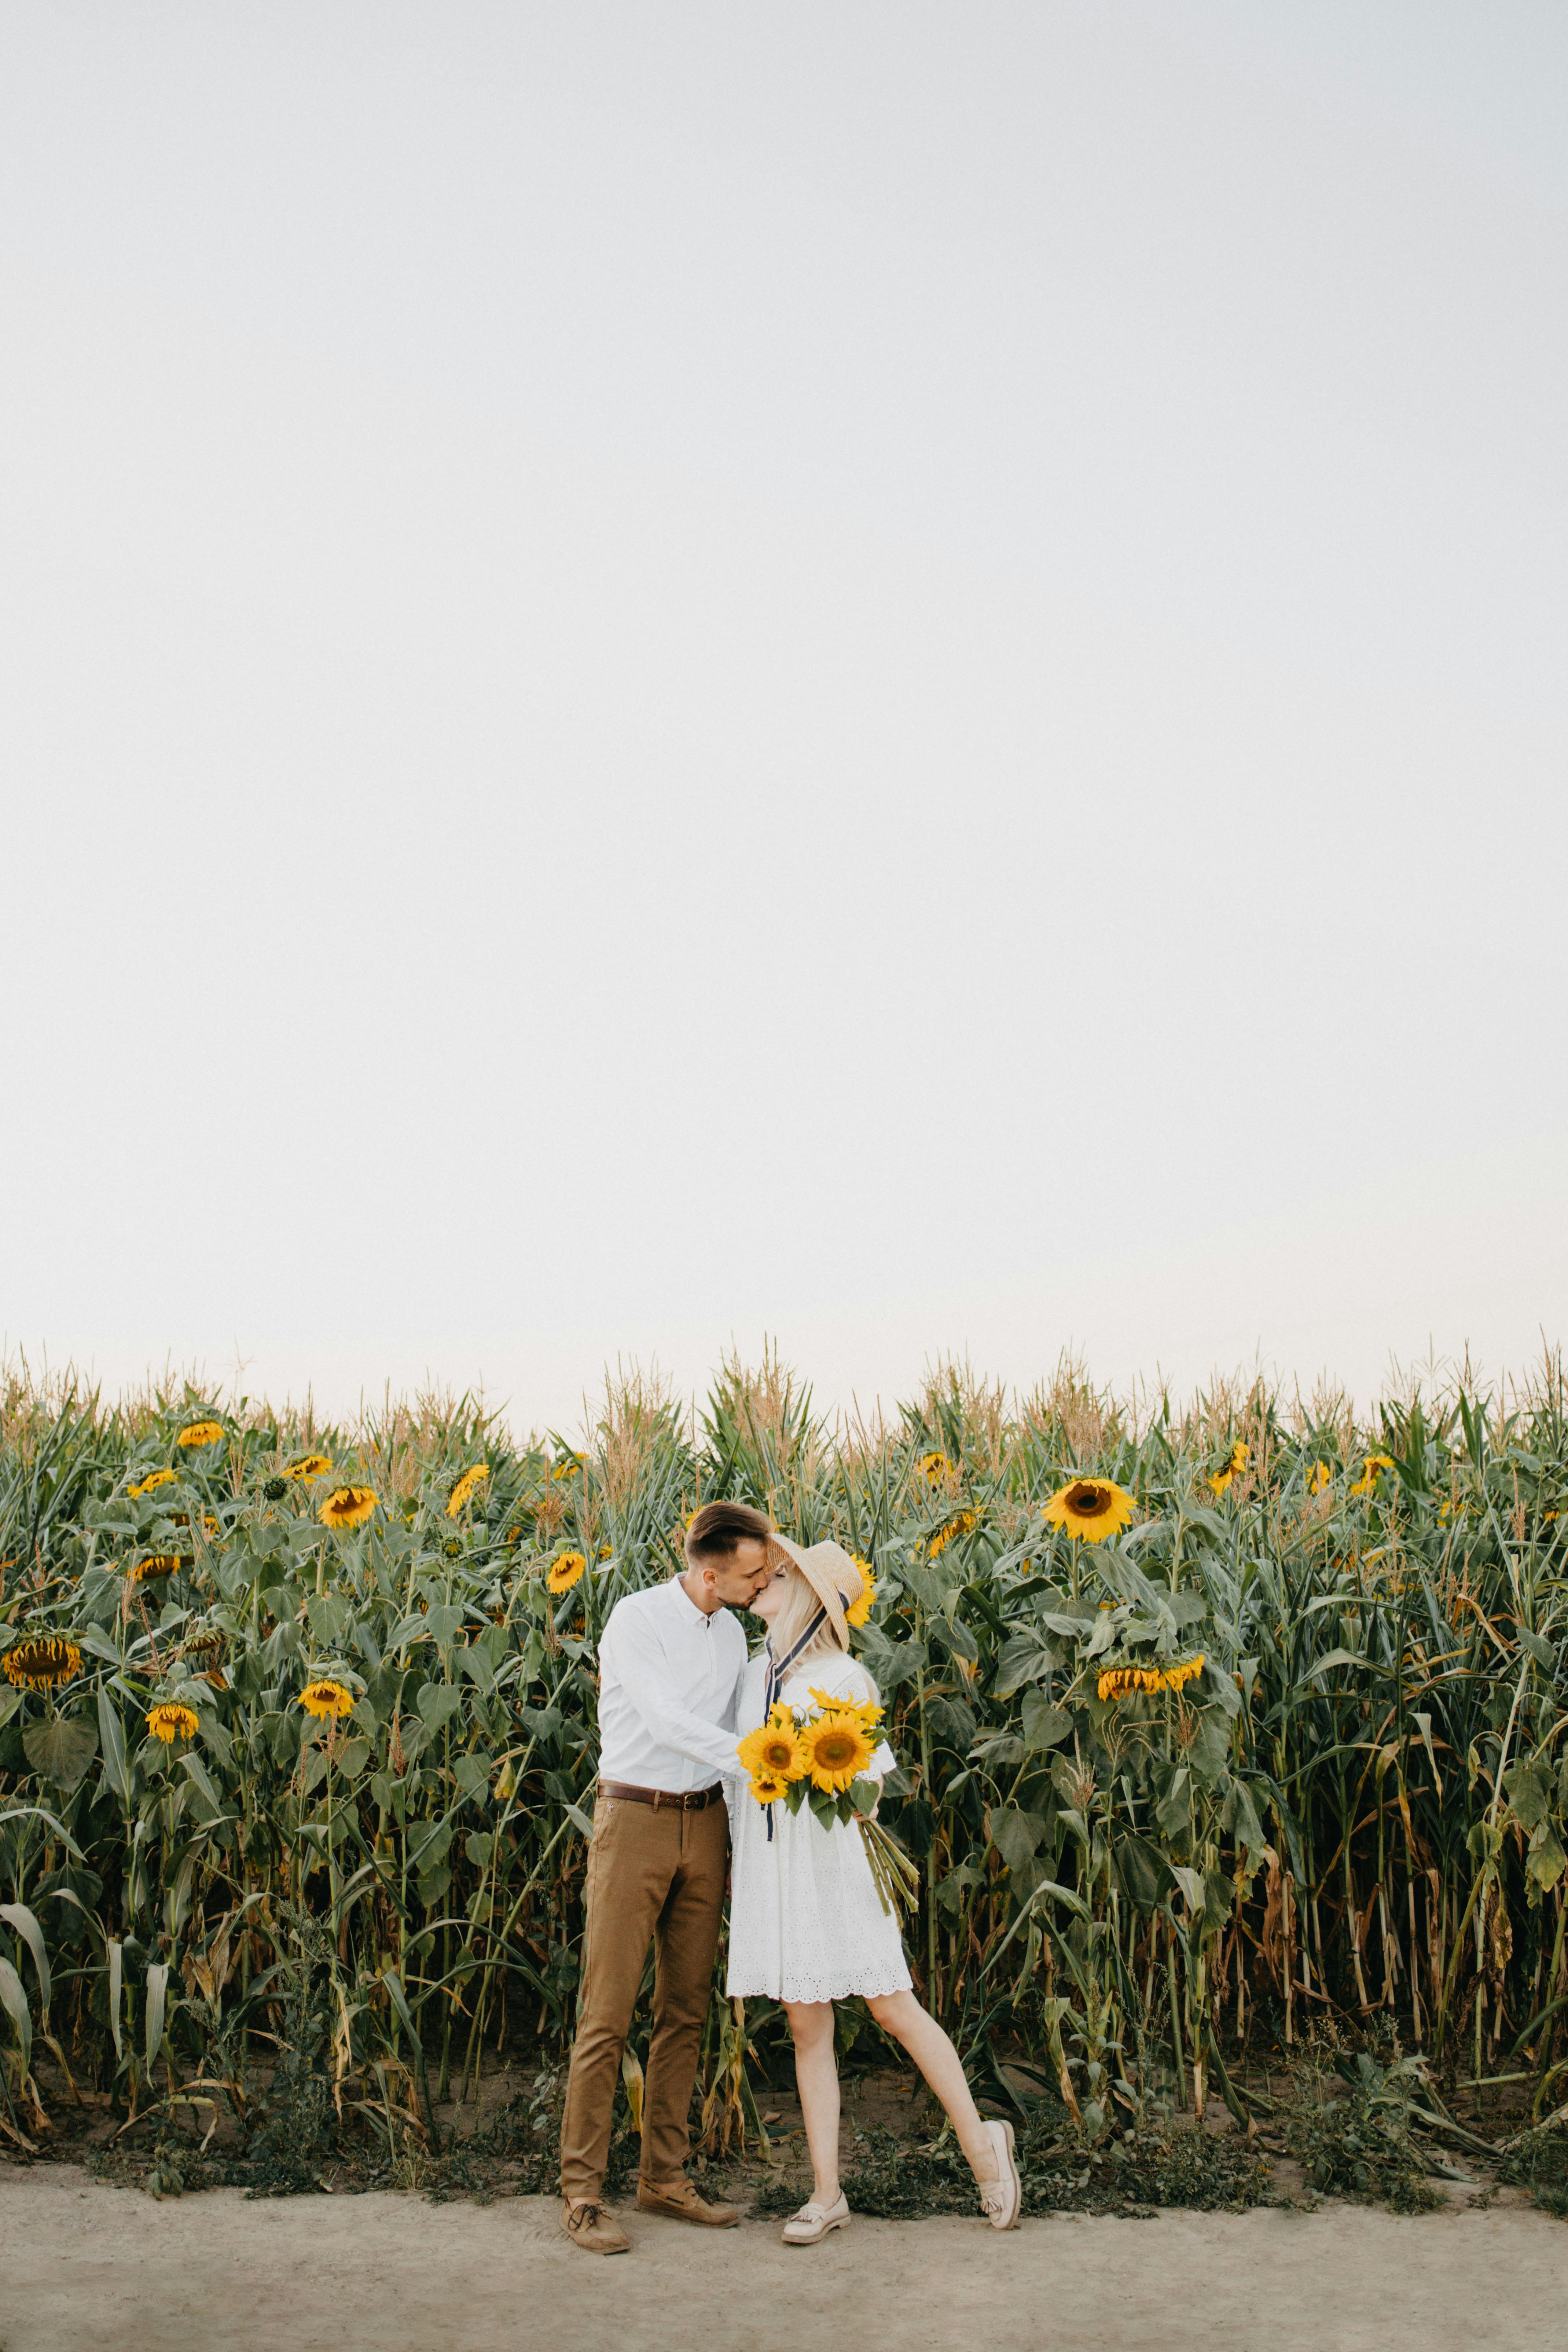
835	1579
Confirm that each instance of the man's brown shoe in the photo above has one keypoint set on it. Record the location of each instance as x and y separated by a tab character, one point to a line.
680	2203
590	2227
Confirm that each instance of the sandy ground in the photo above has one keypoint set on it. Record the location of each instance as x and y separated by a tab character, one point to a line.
86	2267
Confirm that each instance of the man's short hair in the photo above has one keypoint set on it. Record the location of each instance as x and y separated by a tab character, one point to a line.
719	1530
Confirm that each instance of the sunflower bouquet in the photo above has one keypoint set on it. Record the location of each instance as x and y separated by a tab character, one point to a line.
822	1758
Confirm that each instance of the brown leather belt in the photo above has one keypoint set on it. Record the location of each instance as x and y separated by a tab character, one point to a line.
696	1801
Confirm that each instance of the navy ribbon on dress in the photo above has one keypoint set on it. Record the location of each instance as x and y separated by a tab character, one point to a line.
775	1674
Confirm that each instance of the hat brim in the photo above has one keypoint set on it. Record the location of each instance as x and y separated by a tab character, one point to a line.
833	1576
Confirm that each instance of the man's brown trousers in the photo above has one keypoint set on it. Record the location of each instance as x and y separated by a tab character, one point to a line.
658	1872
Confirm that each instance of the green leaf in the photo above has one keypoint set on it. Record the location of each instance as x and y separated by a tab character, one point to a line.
954	1886
1020	1660
1141	1868
393	1983
16	2004
116	1991
157	2002
96	1644
116	1764
1015	1834
1529	1789
1210	1749
1545	1862
17	1915
59	1748
1333	1658
1191	1883
1174	1810
437	1704
1244	1824
475	1661
930	1588
956	1639
196	1771
900	1661
1044	1724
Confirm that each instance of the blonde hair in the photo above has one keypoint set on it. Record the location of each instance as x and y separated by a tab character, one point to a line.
799	1606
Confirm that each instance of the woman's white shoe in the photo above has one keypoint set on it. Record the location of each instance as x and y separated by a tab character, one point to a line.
1001	2198
814	2222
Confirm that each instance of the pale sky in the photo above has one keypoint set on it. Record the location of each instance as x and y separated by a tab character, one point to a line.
886	673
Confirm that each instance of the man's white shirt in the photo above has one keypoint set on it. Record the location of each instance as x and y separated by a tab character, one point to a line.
668	1680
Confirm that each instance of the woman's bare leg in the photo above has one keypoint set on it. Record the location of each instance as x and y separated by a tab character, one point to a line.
901	2014
817	2079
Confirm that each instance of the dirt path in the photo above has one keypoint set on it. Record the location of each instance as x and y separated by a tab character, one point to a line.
89	2269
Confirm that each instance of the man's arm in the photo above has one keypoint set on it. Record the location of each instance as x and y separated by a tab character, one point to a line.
639	1659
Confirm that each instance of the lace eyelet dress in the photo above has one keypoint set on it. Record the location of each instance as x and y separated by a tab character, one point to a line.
806	1920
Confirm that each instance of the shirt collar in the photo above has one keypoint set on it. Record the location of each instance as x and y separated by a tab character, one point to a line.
686	1608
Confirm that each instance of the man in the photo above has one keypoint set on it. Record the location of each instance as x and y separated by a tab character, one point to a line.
670	1661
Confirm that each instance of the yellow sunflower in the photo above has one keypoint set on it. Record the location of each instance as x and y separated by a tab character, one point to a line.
326	1698
1090	1508
1321	1477
1188	1670
961	1524
310	1465
837	1750
859	1612
40	1664
1120	1682
1240	1458
768	1787
157	1563
200	1433
153	1478
867	1710
347	1506
564	1570
472	1477
171	1720
933	1467
1375	1463
567	1467
773	1751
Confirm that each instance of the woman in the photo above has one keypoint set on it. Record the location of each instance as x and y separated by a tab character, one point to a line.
807	1924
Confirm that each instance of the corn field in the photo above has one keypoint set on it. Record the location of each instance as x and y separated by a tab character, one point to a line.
1353	1810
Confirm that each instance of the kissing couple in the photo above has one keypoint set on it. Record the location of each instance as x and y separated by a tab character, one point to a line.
678	1691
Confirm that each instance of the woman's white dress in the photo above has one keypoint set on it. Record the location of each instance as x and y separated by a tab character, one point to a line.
806	1920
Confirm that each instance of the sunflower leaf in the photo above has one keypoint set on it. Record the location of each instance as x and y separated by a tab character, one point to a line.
437	1704
60	1749
1044	1725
